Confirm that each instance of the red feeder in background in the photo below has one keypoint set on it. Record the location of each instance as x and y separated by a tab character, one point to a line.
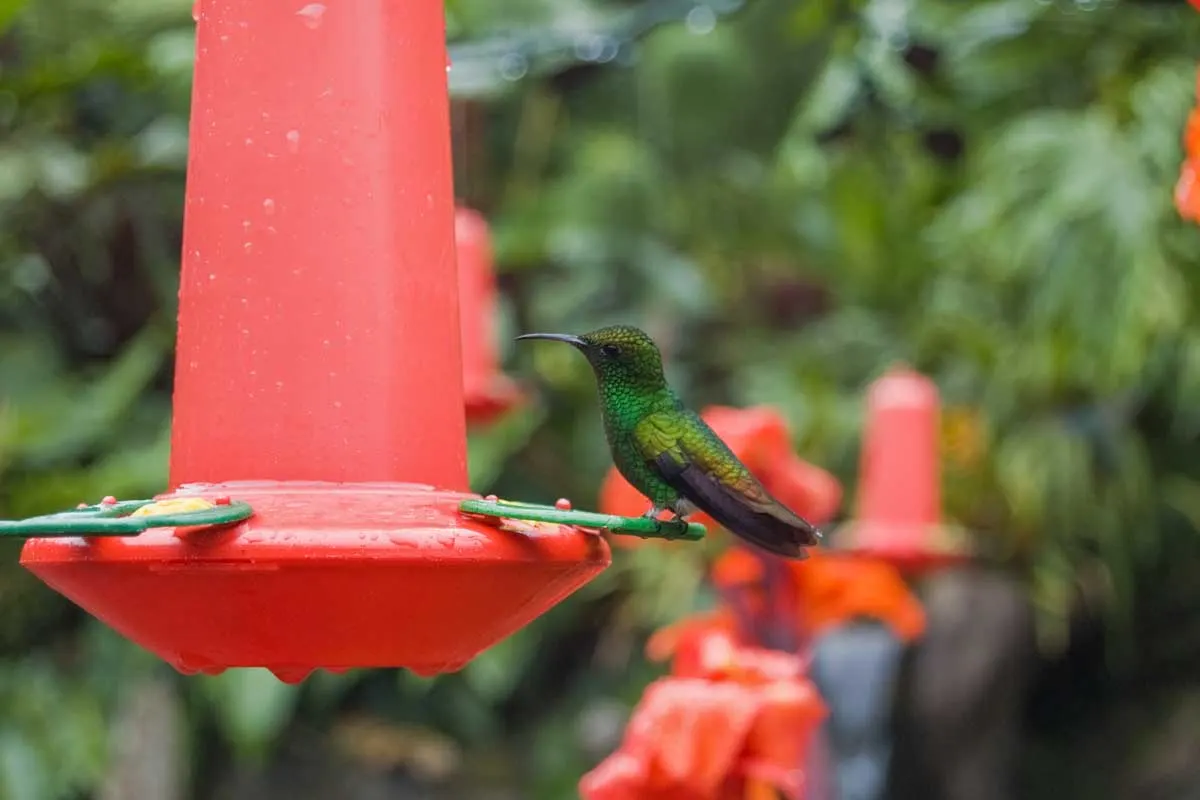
899	499
318	372
488	391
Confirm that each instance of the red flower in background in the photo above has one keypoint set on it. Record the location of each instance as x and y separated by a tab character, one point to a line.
1187	190
828	590
729	720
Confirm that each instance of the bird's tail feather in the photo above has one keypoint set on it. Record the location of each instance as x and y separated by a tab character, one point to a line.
766	531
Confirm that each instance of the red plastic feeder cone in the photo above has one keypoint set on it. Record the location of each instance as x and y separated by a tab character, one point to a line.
318	372
488	391
899	499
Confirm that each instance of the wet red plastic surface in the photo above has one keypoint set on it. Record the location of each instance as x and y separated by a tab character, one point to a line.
323	576
318	320
899	500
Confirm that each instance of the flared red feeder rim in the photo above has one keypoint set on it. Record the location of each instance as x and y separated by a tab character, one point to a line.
324	575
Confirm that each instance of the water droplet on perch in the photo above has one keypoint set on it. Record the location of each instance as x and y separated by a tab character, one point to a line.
562	504
109	500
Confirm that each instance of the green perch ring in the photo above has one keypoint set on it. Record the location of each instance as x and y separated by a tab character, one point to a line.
129	518
561	513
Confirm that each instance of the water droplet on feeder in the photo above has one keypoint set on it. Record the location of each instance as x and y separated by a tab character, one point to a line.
82	505
268	206
562	504
248	246
109	500
196	11
311	14
491	498
701	20
190	664
293	140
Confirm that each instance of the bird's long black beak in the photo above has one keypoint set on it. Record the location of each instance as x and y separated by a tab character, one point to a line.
574	341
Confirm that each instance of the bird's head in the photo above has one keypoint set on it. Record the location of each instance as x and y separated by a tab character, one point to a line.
618	354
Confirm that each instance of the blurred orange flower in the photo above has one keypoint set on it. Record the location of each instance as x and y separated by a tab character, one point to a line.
728	721
830	589
1187	191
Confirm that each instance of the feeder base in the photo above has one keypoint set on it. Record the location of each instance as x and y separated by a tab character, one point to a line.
324	575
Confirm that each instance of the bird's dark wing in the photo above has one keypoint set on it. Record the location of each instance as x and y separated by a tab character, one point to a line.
693	461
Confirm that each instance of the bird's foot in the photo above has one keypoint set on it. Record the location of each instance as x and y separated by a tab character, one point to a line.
670	528
673	528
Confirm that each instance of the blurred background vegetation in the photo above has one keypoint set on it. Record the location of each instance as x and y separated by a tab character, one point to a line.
790	197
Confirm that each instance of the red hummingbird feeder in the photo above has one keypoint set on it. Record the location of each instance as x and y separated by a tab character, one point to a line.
899	499
319	376
488	392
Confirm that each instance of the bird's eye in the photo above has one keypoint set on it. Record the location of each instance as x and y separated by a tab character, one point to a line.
610	350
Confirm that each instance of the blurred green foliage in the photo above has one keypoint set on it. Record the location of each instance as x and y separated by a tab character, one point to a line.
790	202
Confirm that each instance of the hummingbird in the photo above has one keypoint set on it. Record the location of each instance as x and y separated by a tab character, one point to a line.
671	455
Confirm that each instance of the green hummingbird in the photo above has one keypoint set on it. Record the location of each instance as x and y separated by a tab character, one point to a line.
671	455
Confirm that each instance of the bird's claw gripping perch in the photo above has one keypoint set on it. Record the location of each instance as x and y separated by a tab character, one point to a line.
644	527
